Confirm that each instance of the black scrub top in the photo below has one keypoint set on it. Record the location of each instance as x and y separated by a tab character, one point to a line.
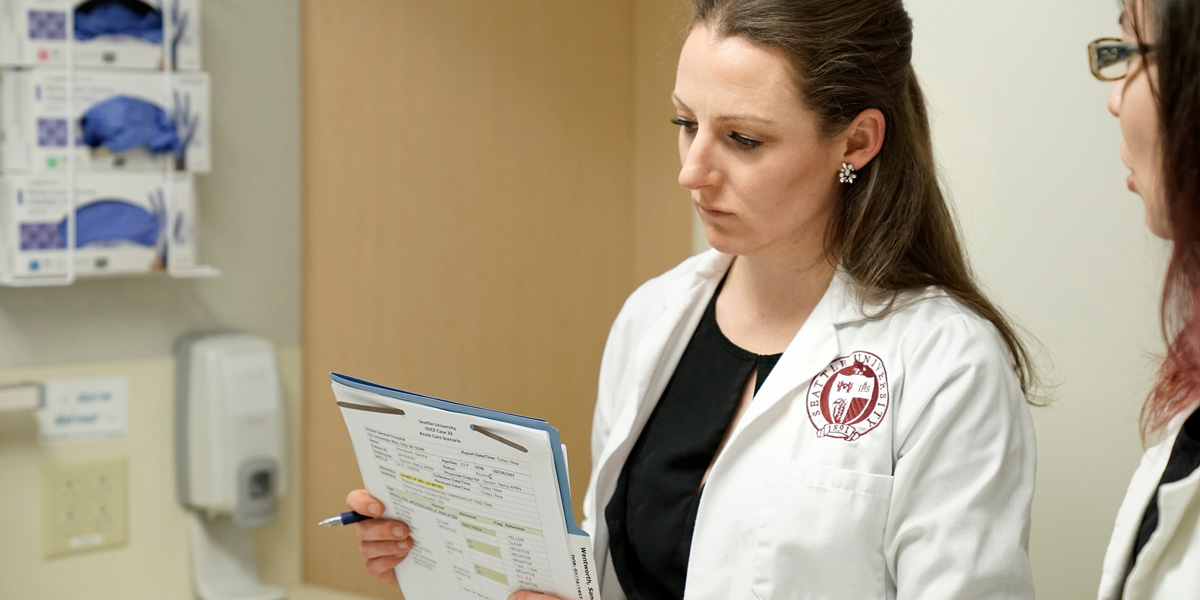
1184	460
653	511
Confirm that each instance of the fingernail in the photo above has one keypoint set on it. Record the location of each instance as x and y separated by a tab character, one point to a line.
398	531
375	509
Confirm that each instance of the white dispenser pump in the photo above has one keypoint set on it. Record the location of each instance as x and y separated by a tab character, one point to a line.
229	425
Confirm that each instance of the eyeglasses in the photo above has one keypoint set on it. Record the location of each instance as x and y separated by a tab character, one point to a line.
1110	57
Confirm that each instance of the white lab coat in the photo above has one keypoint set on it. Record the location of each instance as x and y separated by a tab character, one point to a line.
1168	567
931	503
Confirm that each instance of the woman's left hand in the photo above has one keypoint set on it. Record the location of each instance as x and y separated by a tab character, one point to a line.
530	596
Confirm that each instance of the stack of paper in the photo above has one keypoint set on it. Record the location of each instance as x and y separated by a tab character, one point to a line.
484	492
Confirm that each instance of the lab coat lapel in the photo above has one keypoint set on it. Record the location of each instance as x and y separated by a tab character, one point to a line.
659	351
656	356
1129	518
814	348
1172	502
1173	499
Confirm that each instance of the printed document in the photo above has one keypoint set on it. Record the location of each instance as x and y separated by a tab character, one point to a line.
484	492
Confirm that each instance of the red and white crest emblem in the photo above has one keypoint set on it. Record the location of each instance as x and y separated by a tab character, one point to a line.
850	397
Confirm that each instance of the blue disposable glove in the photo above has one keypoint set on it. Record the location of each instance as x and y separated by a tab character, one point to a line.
111	222
122	123
118	17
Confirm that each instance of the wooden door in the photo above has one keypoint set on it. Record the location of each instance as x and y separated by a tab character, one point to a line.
469	218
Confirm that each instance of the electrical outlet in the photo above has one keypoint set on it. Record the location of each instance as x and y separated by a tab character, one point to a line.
84	506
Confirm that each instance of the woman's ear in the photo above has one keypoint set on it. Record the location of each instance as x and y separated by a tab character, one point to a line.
864	137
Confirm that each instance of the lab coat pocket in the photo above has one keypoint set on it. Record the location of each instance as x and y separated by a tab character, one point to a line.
822	535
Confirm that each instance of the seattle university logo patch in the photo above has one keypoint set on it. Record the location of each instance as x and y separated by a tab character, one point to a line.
850	397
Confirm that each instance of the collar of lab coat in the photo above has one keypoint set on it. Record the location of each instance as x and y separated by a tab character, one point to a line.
841	298
813	348
684	299
1117	563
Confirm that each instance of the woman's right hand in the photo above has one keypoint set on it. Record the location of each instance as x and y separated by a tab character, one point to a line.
383	543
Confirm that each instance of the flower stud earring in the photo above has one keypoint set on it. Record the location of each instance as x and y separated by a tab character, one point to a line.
848	174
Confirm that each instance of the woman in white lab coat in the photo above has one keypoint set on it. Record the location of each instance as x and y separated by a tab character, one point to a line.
824	406
1155	547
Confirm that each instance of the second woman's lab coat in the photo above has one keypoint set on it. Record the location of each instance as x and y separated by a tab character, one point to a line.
883	457
1168	567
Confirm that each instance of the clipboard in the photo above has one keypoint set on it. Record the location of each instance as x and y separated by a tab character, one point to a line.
446	465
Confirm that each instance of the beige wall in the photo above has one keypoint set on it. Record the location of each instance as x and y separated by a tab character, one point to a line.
154	564
1031	157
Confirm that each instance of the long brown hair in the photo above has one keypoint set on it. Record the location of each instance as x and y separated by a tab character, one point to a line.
1176	53
893	230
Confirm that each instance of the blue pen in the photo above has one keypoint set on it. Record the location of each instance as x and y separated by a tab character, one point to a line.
346	518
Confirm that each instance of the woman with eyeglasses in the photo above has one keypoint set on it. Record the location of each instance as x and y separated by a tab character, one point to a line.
1155	547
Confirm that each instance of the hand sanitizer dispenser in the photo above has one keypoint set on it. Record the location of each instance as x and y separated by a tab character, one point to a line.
229	427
